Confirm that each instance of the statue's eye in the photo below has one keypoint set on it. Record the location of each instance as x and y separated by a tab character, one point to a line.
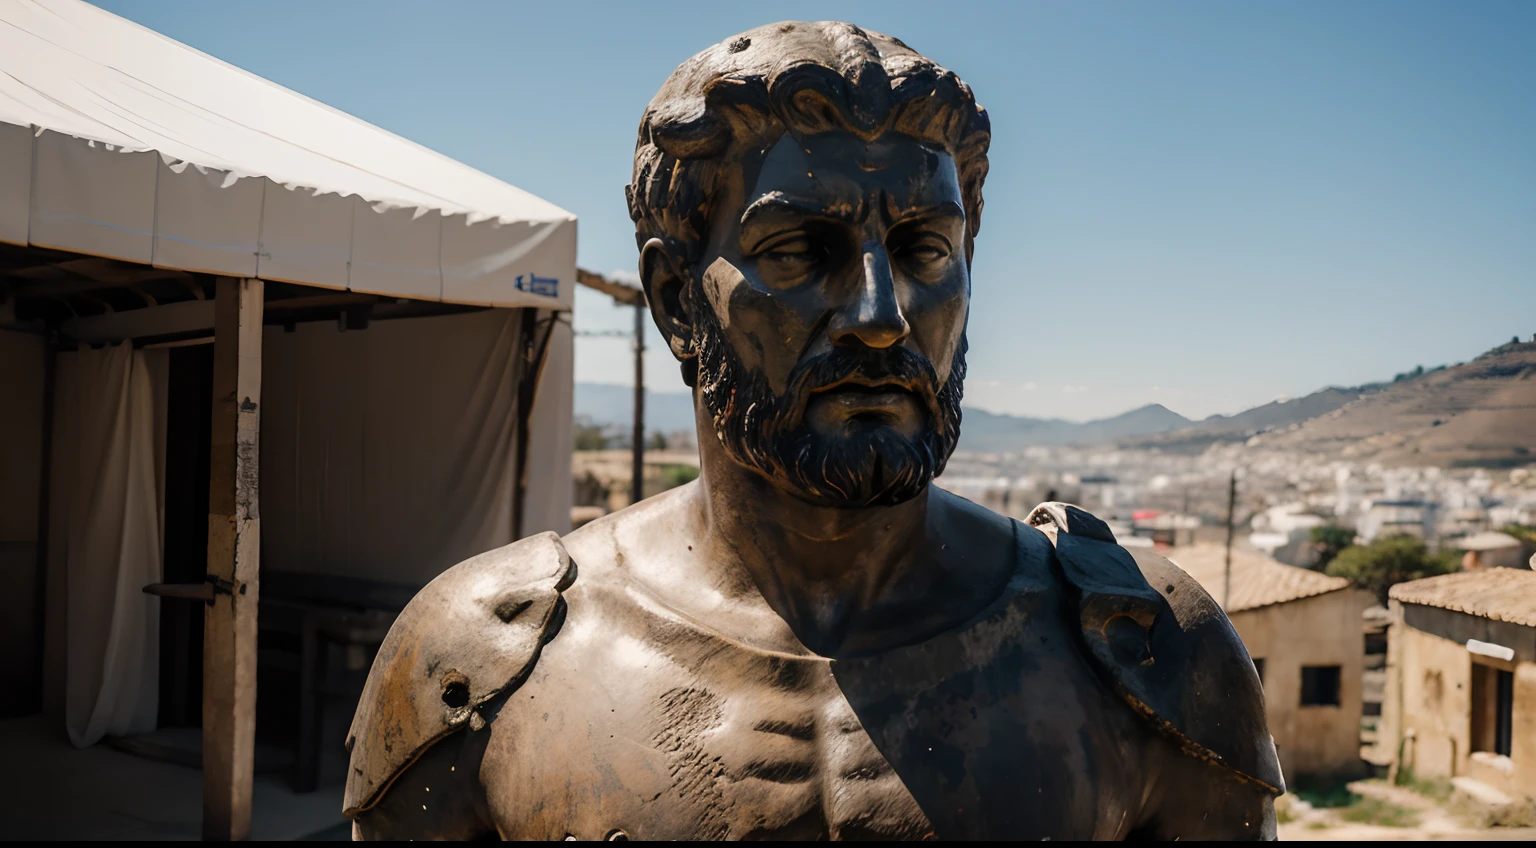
790	253
924	252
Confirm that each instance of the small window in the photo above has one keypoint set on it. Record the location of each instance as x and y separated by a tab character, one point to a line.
1319	686
1493	709
1258	665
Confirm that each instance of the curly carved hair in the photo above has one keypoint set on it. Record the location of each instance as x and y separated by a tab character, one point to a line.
802	77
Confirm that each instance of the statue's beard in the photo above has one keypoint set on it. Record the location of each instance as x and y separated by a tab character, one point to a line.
870	464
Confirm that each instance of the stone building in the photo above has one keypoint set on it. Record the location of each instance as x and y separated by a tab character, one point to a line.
1302	629
1461	680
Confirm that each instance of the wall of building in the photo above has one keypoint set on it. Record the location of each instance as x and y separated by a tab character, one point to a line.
1429	696
1511	557
21	448
1319	631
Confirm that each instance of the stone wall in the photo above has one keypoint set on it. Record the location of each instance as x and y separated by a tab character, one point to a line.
1320	631
1428	711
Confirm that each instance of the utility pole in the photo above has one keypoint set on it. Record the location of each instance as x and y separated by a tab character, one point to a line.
625	294
1226	585
636	484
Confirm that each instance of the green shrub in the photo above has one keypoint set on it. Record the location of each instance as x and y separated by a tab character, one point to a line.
1328	540
673	476
1389	561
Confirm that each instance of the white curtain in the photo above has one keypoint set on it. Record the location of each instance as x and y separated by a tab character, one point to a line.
389	454
108	493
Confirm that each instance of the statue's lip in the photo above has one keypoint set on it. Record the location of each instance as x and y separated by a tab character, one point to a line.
861	383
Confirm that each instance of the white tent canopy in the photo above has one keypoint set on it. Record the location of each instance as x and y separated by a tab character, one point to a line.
415	441
116	141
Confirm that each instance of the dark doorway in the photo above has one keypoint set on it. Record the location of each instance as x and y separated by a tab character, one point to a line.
188	436
1504	720
1493	709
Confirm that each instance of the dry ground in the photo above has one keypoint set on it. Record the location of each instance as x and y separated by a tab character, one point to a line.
1385	812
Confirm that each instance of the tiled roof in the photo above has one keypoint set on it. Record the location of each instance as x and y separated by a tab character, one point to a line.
1489	540
1257	580
1500	594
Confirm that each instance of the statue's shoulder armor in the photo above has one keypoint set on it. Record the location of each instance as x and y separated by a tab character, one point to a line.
1164	646
472	633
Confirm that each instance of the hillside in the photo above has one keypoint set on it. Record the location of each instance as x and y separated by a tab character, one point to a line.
1272	416
1481	413
989	432
608	405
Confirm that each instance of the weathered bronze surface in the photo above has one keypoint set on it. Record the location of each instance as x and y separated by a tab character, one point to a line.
812	640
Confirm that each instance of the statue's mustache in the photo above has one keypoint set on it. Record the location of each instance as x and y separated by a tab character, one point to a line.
896	367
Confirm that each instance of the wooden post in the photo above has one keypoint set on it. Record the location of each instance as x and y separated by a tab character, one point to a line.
1226	584
637	450
234	551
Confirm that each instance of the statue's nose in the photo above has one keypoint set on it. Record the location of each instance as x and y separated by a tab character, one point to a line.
874	317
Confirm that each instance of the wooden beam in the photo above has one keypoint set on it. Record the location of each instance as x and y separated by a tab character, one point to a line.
50	282
187	316
168	319
324	301
75	276
622	293
234	551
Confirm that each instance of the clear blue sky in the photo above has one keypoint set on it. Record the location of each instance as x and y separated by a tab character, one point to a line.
1203	204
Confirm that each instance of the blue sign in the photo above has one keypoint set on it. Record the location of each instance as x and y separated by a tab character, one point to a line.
534	284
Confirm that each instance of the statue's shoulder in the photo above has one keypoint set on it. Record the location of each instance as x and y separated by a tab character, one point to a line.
1164	646
472	633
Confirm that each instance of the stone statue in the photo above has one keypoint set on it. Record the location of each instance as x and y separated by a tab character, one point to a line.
812	640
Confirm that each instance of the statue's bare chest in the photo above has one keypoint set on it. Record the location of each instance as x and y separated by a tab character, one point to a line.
668	732
687	738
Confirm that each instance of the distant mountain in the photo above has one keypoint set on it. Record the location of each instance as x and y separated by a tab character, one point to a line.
1275	415
989	432
606	405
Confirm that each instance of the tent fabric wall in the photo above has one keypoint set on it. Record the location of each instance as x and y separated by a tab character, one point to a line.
389	454
106	536
547	504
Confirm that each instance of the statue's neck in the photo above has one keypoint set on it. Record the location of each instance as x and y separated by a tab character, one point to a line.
835	576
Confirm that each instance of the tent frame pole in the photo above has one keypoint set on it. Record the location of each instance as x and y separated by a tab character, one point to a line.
234	555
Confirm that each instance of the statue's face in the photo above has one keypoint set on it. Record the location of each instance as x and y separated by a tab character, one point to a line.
832	336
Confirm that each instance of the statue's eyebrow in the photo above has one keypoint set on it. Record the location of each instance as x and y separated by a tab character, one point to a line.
779	202
942	209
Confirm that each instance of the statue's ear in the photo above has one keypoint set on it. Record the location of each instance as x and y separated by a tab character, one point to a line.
666	290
